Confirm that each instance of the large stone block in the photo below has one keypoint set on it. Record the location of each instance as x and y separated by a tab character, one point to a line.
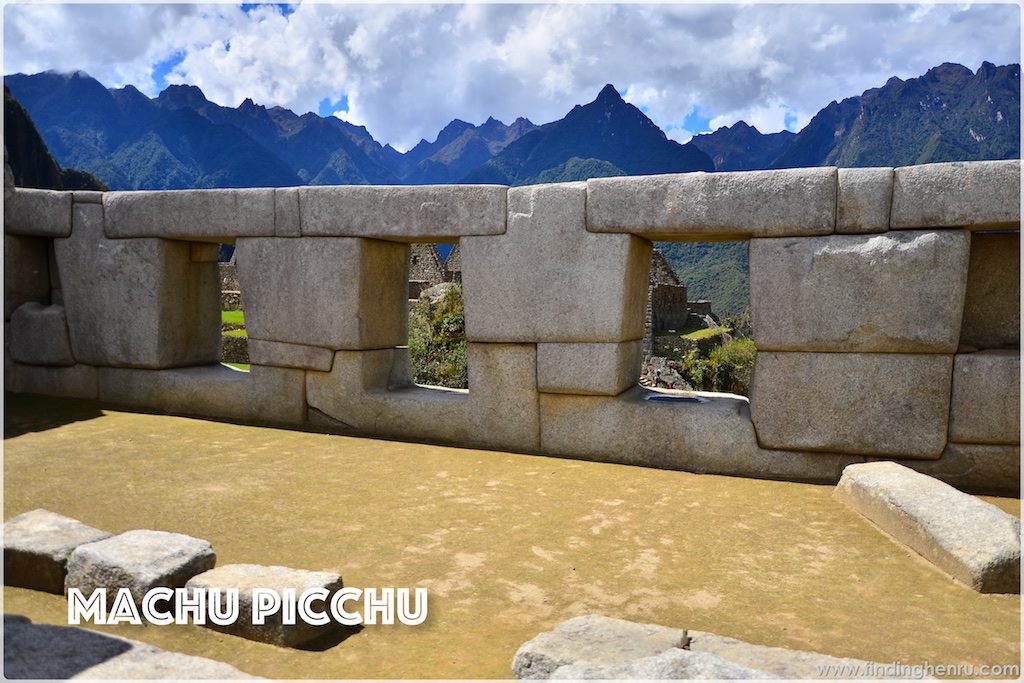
36	548
76	381
264	395
196	215
287	218
39	335
138	560
503	412
865	199
246	577
732	205
43	213
26	272
992	304
431	213
986	398
282	355
971	540
136	302
975	468
549	280
974	194
858	403
901	292
333	292
600	369
674	664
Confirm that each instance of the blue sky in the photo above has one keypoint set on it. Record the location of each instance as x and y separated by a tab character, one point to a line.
404	71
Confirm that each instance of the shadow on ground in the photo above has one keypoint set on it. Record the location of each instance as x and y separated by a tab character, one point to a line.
40	651
24	413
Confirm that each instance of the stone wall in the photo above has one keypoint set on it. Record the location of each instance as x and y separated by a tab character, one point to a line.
885	306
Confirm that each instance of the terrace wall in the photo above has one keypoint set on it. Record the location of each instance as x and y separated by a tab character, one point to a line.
885	308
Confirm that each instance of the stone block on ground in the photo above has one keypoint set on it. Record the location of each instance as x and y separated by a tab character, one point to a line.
246	577
900	292
198	215
971	540
76	381
36	548
42	651
44	213
549	280
735	205
39	335
281	354
600	369
985	407
865	199
882	404
136	302
674	664
992	305
139	560
428	213
332	292
26	272
977	195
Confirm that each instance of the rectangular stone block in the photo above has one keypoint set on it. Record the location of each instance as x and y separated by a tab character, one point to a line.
865	200
264	395
986	398
549	280
973	541
976	195
43	213
36	549
246	577
428	213
136	302
287	221
731	205
87	197
39	335
284	355
76	381
332	292
26	272
975	468
599	369
195	215
859	403
992	304
899	292
138	560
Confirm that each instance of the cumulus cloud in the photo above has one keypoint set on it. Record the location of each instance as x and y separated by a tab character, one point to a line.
406	70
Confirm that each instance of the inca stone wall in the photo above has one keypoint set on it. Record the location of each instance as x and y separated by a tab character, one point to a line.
885	307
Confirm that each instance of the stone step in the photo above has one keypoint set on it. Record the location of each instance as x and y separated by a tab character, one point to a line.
973	541
37	545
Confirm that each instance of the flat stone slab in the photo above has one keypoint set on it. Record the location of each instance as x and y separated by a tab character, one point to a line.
978	195
246	577
672	664
597	369
974	542
138	560
42	651
44	213
216	215
865	199
37	545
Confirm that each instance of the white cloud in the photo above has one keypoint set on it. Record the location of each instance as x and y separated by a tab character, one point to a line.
409	69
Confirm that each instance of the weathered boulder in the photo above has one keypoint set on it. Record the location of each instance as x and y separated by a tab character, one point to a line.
428	213
44	213
600	369
42	651
674	664
198	215
37	545
900	292
971	540
246	577
986	398
992	304
39	335
593	638
859	403
332	292
972	194
26	272
138	560
549	280
865	198
743	204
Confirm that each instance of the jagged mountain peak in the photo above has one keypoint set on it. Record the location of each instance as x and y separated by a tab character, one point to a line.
609	94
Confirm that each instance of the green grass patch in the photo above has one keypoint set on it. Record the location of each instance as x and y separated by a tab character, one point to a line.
238	366
235	333
232	317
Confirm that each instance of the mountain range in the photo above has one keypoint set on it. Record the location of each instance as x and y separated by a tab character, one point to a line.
180	139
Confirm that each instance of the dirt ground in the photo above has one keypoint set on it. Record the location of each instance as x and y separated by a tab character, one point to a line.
507	545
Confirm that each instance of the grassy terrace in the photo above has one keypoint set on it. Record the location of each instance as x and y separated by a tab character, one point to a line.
508	545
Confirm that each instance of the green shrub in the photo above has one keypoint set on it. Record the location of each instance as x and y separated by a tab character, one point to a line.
437	341
734	365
